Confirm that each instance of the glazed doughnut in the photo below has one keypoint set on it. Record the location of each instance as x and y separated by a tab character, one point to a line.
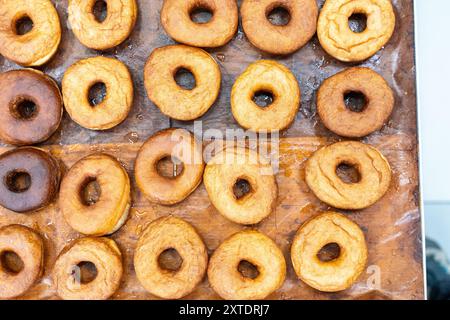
104	254
95	195
379	102
227	169
255	248
341	42
161	235
31	107
172	99
117	26
29	179
336	274
37	46
274	78
17	276
279	39
176	20
373	169
180	145
82	76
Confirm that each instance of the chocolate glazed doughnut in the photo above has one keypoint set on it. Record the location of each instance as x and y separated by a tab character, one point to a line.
29	179
31	107
22	260
279	39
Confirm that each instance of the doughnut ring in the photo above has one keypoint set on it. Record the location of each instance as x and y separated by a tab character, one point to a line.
95	195
379	102
31	107
82	76
176	20
37	46
181	146
274	78
279	39
29	179
104	254
373	169
17	277
117	26
337	274
255	248
341	42
172	99
232	166
164	234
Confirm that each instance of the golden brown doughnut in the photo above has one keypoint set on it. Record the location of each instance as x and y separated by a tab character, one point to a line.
179	145
341	120
95	195
37	46
31	107
104	254
373	169
165	234
254	248
173	100
18	275
335	274
228	168
176	20
341	42
117	26
80	77
29	179
279	39
265	76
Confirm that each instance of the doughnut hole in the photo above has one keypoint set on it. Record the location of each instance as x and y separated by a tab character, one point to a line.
24	109
355	101
185	79
23	25
248	269
201	14
348	173
357	22
97	93
242	188
278	15
84	272
10	262
170	260
263	98
169	167
100	10
90	191
329	252
18	181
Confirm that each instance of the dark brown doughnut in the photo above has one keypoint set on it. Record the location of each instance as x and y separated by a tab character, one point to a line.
21	123
29	179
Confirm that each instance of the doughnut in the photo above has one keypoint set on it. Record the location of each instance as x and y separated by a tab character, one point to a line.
226	171
29	179
173	100
378	104
334	274
339	41
31	107
33	48
118	24
170	233
95	195
85	74
268	77
22	260
105	259
256	249
279	39
373	170
176	20
182	147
